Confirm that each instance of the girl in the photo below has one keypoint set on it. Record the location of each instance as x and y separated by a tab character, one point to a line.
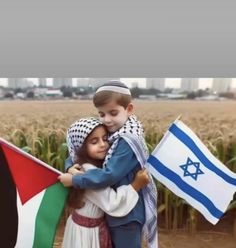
86	227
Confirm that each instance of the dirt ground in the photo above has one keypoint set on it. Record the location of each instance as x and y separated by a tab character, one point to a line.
205	239
181	239
207	235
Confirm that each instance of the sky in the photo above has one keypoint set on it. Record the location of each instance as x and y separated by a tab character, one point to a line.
170	82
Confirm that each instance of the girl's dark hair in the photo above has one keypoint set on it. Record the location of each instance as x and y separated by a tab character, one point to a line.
75	198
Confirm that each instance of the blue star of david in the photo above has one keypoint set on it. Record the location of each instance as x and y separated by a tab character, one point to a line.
186	167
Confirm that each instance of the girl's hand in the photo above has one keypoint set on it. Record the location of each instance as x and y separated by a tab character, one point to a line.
66	179
141	179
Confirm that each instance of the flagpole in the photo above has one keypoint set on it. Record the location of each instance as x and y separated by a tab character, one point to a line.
178	118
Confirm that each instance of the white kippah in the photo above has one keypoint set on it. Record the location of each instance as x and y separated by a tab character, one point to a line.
112	88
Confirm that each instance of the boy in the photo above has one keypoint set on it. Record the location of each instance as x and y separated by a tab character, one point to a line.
126	156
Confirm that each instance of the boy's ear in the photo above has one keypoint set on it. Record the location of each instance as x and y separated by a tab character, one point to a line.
130	108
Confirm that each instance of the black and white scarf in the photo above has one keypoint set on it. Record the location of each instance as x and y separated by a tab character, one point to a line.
132	133
77	133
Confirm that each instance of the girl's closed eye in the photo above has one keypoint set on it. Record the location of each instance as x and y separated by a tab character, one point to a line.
94	141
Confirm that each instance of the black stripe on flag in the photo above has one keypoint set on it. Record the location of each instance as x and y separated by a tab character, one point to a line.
8	205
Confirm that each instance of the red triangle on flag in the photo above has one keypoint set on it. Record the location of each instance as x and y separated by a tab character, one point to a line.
29	173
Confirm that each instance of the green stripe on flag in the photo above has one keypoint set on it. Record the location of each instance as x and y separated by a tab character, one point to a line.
48	215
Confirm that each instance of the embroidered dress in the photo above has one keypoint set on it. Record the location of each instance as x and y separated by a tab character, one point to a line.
97	202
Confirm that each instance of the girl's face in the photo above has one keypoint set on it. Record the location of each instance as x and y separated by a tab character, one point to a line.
114	116
97	144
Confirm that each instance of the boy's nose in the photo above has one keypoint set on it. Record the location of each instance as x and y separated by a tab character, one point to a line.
107	119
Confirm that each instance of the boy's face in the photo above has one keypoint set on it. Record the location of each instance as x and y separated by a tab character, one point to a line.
114	116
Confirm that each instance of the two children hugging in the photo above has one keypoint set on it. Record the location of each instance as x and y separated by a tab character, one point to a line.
86	225
126	155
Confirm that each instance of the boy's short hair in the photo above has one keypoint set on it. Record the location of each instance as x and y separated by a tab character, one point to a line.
112	91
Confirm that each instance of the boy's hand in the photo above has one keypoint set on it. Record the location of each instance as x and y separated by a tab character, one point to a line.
76	169
66	179
141	180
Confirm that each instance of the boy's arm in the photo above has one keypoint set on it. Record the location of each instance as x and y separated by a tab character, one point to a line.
72	168
119	165
68	163
121	201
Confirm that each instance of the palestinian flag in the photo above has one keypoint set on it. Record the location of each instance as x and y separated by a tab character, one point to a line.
32	199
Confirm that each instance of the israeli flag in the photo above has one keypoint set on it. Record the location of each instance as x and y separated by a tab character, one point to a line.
184	165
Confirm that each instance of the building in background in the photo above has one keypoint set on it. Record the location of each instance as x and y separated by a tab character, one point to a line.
189	84
14	82
216	85
19	83
83	82
59	82
96	82
222	85
134	85
155	83
42	82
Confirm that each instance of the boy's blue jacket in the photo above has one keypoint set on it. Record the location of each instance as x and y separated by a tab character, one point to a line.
120	170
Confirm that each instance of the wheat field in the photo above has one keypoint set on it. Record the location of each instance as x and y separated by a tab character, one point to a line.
39	127
203	117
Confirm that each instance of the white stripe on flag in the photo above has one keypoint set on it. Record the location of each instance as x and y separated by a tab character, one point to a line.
183	163
27	214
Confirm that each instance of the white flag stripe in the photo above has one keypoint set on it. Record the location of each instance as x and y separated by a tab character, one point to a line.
203	154
184	187
176	190
205	150
175	159
27	216
185	165
191	135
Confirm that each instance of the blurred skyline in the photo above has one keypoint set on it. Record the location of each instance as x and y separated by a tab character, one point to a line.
140	82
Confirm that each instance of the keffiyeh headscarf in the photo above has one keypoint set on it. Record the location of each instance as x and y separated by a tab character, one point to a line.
78	132
132	133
